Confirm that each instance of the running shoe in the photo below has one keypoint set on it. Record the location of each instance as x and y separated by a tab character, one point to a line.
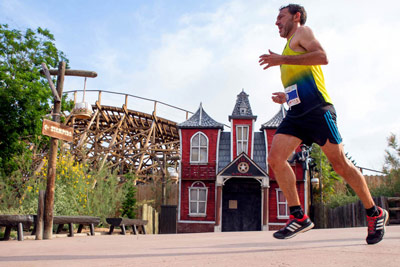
376	226
293	227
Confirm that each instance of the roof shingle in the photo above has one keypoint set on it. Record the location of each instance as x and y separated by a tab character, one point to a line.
276	120
201	120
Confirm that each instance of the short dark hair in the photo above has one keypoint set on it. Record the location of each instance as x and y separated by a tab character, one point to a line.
294	8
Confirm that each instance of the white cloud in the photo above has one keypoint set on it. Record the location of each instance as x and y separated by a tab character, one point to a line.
210	55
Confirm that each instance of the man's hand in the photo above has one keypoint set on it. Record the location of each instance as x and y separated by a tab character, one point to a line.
279	97
271	59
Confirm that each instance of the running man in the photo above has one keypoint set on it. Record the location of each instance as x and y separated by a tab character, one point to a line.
311	118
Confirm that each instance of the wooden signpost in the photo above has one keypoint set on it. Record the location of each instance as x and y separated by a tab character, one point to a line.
56	131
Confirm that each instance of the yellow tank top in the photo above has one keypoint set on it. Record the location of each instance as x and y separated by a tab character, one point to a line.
304	85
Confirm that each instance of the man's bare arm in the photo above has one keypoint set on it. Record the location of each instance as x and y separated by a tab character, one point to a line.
304	41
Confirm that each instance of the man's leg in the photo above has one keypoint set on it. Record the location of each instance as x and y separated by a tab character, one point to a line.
376	216
282	147
343	167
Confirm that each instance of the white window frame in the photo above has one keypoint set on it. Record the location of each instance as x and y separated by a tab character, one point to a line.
195	187
278	203
198	161
242	141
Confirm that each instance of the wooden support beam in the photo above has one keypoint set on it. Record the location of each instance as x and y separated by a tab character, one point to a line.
146	145
127	114
83	136
46	72
112	141
102	112
79	73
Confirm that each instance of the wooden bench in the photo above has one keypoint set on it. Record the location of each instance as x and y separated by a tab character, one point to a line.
18	221
125	222
71	220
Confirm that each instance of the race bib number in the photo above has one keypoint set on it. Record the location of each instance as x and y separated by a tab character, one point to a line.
292	96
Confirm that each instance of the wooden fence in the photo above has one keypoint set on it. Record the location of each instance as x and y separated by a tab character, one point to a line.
148	198
152	193
350	215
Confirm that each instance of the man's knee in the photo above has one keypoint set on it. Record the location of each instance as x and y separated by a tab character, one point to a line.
341	166
275	161
271	161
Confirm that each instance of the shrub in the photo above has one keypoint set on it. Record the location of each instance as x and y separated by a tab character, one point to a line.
78	190
129	203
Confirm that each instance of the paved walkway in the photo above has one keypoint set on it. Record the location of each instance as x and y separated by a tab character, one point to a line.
327	247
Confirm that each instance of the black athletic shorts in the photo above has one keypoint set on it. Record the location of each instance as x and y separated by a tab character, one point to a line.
316	126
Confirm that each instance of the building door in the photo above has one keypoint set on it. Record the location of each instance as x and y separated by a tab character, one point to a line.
241	205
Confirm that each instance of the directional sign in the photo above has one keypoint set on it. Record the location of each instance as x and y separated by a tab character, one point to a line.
57	130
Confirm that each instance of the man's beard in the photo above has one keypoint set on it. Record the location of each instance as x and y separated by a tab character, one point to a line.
287	28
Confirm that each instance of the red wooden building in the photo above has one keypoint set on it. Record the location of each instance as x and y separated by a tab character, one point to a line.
225	183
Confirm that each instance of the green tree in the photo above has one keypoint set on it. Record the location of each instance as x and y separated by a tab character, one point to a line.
326	174
391	185
392	157
129	203
25	96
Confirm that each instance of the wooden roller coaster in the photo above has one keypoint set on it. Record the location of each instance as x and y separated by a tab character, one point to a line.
127	140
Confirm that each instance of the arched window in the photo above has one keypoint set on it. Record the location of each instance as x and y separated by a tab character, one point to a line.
198	199
199	148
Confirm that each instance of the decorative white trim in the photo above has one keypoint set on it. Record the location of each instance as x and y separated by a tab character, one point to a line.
306	185
232	130
265	228
252	139
262	206
217	229
265	182
191	139
266	150
217	152
180	175
200	222
220	181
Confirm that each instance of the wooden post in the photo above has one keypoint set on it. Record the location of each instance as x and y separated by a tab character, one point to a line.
51	171
99	98
20	232
163	181
265	207
39	216
218	206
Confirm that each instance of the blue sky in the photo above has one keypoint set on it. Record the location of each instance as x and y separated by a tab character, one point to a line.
187	52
